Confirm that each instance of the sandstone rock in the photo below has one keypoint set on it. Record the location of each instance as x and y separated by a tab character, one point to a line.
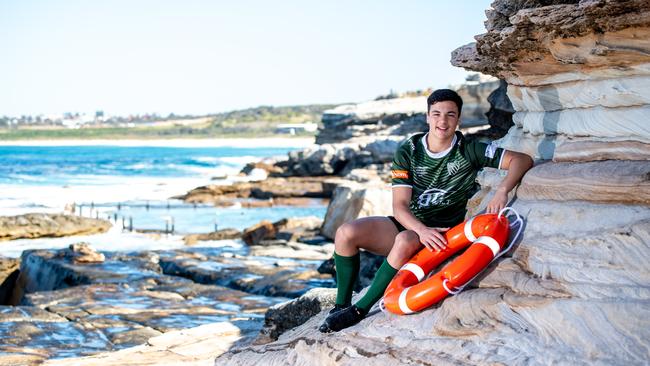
49	225
222	234
256	233
268	165
306	223
270	188
294	250
82	253
516	302
195	346
475	99
529	47
609	93
596	122
599	150
606	181
353	200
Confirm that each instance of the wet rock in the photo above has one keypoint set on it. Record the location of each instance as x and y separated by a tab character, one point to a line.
44	270
259	275
25	330
281	317
222	234
39	225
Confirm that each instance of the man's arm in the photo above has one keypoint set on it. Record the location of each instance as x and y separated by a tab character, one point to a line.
431	238
517	165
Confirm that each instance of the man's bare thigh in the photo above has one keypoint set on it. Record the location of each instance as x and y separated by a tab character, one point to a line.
375	234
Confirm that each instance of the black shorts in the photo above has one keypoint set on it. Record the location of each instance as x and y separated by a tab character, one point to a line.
399	226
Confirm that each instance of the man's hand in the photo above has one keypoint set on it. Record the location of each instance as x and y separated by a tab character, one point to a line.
498	202
432	238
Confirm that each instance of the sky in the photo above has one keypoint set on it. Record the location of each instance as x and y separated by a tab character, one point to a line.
208	56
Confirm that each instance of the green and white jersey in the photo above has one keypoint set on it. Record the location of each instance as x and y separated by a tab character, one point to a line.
441	182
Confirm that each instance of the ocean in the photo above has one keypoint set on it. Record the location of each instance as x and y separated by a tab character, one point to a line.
130	184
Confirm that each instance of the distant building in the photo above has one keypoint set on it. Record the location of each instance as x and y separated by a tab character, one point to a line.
293	128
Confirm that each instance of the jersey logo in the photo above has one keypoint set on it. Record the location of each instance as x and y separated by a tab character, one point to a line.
400	174
432	197
453	167
491	150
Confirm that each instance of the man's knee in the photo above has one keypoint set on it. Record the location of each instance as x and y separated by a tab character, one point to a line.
406	244
346	233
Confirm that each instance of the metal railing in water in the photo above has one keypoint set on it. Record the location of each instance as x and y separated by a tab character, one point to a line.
99	211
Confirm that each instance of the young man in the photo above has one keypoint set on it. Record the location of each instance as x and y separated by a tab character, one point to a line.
433	177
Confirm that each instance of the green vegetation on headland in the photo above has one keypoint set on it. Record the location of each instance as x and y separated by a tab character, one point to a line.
253	122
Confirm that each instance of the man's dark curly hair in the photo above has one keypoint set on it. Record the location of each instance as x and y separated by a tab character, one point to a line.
442	95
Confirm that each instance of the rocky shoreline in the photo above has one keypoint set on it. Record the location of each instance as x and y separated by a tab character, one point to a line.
138	306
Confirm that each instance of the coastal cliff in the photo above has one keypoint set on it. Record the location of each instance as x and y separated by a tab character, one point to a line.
575	288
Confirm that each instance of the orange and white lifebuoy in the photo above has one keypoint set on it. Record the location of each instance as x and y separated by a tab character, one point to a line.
485	235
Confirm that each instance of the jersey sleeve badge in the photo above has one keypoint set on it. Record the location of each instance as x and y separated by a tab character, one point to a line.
400	174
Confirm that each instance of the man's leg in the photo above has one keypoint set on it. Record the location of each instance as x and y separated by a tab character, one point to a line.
407	243
375	234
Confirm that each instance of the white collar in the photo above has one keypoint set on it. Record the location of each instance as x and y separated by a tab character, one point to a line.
441	154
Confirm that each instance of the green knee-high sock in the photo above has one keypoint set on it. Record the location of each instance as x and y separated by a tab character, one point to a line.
384	275
347	271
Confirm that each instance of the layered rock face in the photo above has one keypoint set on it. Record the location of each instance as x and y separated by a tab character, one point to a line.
574	289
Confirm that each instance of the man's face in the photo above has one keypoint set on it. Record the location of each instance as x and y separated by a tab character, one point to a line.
443	119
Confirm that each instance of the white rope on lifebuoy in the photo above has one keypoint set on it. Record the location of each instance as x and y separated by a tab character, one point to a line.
514	240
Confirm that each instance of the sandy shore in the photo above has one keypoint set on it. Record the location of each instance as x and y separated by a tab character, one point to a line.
224	142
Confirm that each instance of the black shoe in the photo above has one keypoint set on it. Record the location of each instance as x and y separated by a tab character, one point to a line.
338	308
342	319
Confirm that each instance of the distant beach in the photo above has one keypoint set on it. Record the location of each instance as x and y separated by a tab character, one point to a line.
295	142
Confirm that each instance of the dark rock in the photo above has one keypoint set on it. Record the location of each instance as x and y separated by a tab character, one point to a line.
9	270
282	317
499	115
